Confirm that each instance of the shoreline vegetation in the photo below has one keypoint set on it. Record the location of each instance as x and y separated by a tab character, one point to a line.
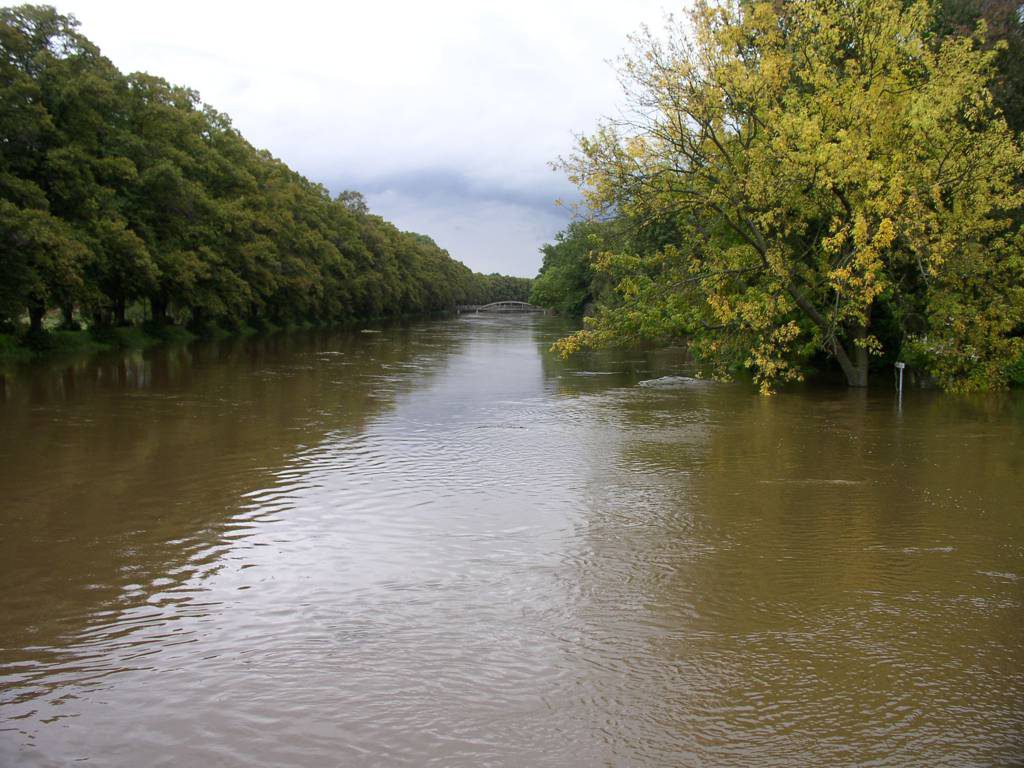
807	187
131	213
55	343
792	189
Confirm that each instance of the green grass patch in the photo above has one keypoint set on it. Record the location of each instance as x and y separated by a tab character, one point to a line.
11	350
18	348
123	337
165	333
72	343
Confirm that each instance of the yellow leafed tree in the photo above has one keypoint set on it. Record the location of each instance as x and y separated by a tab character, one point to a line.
830	168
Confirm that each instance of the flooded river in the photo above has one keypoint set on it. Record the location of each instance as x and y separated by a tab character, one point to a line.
438	545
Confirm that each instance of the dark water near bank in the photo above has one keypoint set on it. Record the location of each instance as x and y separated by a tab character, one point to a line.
439	546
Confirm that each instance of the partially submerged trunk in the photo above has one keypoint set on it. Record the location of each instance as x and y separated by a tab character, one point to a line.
856	370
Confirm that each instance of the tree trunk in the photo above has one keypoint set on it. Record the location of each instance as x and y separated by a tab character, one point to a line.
197	323
68	311
36	311
860	354
159	306
119	311
856	370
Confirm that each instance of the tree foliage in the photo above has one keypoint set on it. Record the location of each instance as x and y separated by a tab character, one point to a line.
1004	31
567	281
118	189
838	180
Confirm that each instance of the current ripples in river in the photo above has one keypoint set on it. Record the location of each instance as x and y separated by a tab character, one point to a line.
440	546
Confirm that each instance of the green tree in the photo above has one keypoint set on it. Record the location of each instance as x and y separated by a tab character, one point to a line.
1004	24
825	165
117	190
567	281
40	262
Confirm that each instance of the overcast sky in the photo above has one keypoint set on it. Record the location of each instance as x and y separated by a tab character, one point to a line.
445	114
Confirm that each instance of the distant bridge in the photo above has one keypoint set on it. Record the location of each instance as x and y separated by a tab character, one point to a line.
500	306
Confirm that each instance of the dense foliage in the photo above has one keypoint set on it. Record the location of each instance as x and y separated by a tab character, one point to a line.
119	189
495	287
808	182
567	282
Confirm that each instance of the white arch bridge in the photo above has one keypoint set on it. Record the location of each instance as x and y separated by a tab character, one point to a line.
499	306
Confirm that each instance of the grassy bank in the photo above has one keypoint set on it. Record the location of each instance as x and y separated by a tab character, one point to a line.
54	343
19	348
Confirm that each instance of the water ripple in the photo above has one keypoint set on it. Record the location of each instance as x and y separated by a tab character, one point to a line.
438	546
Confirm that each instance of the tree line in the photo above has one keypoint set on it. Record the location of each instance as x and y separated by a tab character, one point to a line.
808	185
120	190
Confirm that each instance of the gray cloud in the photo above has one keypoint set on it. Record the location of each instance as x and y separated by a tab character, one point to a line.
443	114
491	225
449	184
488	235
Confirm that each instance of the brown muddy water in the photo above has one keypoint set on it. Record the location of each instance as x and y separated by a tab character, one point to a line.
438	545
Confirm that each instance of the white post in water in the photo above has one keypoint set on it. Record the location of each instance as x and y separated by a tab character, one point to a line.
899	386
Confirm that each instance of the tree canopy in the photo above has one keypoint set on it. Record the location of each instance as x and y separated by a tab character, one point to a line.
818	179
119	189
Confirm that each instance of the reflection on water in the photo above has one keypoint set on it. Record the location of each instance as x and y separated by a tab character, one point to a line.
438	545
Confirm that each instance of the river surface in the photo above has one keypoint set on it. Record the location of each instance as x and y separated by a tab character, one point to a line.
438	545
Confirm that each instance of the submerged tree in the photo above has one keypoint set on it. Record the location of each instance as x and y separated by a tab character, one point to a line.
840	180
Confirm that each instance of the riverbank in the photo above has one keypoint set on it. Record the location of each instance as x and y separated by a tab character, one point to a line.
24	348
